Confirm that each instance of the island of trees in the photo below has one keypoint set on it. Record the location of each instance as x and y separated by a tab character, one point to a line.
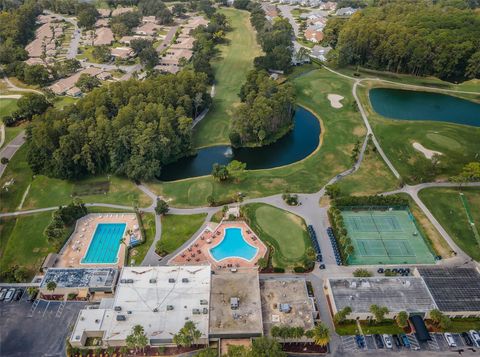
265	113
129	128
415	37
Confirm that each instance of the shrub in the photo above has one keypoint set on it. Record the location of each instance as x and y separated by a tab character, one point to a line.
278	270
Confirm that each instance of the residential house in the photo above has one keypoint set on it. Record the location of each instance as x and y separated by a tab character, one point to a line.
101	23
147	29
126	40
105	13
346	11
122	10
122	52
184	43
195	22
149	19
313	34
66	85
103	36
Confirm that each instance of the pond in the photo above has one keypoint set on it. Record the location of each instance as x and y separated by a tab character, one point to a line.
415	105
300	142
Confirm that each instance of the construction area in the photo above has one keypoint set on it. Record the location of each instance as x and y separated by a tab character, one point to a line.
285	302
235	310
387	236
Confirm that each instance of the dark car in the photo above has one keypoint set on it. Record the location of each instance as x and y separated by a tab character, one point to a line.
468	340
378	341
360	341
380	271
18	294
398	343
322	266
405	341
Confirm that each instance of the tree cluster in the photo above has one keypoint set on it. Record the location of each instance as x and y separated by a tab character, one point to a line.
469	173
146	53
128	128
17	28
156	8
275	39
64	217
341	234
29	105
415	37
265	113
123	24
376	200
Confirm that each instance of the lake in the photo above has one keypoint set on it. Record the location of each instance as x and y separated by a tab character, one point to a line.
300	142
416	105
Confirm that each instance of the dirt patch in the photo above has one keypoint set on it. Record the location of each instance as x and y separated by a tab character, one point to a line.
359	130
335	100
428	153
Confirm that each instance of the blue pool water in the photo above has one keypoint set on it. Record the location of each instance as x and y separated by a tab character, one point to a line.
105	243
233	245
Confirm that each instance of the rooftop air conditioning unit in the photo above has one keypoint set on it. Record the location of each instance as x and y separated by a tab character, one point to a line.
153	281
171	280
121	318
129	281
203	302
123	281
196	311
205	311
169	307
117	308
184	280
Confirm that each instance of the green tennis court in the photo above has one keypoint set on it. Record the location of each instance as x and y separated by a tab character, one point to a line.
385	237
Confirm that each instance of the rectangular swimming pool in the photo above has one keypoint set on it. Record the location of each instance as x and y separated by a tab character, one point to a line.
105	243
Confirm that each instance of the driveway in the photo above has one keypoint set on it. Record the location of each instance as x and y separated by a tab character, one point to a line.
10	150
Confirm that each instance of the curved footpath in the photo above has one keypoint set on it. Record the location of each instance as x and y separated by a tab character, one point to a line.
308	209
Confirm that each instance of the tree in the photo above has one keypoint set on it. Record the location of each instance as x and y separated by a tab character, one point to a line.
188	335
220	172
31	104
469	173
341	315
378	312
237	351
51	286
87	83
87	17
402	319
321	335
236	168
440	319
102	53
137	338
362	273
149	57
178	9
36	74
207	352
310	254
162	207
266	347
241	4
333	190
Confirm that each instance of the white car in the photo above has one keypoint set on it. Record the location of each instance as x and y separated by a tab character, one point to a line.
387	340
475	337
449	338
9	295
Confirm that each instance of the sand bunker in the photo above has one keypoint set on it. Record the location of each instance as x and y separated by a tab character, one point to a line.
428	153
335	100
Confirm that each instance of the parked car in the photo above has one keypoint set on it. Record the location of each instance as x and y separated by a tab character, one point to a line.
398	343
378	341
360	341
18	294
2	293
387	340
450	340
468	340
405	341
9	294
475	337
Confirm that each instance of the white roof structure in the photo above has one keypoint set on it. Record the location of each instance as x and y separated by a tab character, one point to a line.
161	299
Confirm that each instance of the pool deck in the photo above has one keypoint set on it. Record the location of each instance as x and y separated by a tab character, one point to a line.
77	245
198	252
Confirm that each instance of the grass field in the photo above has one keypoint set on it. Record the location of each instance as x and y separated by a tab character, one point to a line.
48	192
26	245
235	60
385	237
137	254
284	231
177	229
459	144
446	206
372	177
350	328
341	128
7	106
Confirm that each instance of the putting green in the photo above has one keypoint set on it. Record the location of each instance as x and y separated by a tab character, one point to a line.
287	229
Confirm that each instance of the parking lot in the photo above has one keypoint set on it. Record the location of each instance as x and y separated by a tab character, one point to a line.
35	329
437	344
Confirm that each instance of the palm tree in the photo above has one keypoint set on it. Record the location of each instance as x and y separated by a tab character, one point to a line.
298	332
402	319
321	335
51	286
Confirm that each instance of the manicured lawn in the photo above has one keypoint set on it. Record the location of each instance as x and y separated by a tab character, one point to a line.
446	206
177	229
466	324
373	177
6	228
7	106
61	102
388	327
347	328
429	232
284	231
341	129
234	62
26	245
459	144
138	253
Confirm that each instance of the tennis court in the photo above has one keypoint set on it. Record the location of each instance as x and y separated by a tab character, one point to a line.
385	237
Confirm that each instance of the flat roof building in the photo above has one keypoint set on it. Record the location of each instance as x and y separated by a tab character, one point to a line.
161	299
456	291
408	294
285	302
236	310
